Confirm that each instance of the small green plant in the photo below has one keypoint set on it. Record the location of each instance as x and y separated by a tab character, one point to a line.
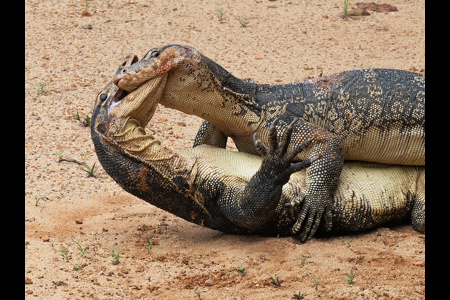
82	250
197	292
299	296
275	281
350	277
64	253
346	3
244	21
39	199
316	282
85	122
76	267
149	244
241	270
115	256
59	154
303	262
90	170
359	259
220	15
86	12
41	90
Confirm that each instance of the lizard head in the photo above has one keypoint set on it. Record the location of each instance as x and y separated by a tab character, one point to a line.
156	62
114	105
195	85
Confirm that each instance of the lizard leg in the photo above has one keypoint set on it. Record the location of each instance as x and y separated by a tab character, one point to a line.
250	206
208	134
321	178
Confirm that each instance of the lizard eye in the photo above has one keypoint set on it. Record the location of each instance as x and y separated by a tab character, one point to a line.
103	97
151	53
154	53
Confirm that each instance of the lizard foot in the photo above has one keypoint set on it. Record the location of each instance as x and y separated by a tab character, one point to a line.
315	205
276	162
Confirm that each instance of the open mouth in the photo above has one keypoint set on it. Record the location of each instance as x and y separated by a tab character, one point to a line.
118	96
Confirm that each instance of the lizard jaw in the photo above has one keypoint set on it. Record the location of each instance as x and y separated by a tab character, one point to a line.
118	96
120	93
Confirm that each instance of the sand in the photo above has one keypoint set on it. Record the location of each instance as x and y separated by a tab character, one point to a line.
69	57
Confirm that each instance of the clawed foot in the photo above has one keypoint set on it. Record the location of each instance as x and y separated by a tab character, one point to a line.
276	162
314	206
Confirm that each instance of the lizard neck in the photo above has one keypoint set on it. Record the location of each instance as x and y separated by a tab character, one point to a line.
158	177
212	93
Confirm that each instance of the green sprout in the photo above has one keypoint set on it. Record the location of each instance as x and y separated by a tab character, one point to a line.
350	277
82	250
90	170
115	256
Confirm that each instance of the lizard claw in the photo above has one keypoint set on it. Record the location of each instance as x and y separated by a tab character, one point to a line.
276	160
312	211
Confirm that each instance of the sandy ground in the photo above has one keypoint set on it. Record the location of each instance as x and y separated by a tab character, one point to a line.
70	56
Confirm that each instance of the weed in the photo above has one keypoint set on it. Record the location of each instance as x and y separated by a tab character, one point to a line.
359	259
350	277
244	21
41	90
115	256
197	292
220	15
240	270
76	267
82	250
299	295
85	12
64	253
316	282
38	199
85	122
303	262
59	154
345	7
90	170
149	244
276	281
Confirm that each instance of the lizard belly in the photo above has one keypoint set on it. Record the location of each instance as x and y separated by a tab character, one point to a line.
395	146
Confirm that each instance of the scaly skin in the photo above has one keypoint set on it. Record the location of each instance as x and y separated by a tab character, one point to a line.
374	115
236	192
